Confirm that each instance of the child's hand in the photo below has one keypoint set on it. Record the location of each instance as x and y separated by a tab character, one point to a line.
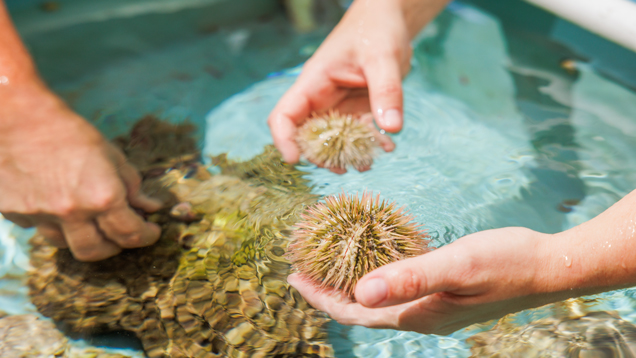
480	277
357	69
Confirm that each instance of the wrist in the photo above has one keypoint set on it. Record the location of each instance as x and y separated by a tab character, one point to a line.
31	107
557	270
582	261
27	95
418	13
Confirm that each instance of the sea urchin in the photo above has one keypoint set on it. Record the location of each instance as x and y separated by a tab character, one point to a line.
339	241
337	141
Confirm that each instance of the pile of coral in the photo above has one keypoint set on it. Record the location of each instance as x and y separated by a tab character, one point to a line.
27	335
570	331
214	285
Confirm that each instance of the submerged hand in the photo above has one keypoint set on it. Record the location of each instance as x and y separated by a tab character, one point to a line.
60	175
357	69
480	277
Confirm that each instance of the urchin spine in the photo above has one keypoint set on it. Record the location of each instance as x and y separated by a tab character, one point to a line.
339	241
337	141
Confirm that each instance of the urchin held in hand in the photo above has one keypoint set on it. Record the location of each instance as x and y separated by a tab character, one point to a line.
339	241
337	141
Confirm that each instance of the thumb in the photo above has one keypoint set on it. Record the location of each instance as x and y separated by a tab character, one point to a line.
384	80
136	197
405	280
132	181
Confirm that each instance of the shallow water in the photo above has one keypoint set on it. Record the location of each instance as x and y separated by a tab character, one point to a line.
506	137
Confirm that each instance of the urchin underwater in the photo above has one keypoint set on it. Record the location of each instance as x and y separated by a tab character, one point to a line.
497	221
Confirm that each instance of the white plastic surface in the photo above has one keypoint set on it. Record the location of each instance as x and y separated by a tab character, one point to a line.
612	19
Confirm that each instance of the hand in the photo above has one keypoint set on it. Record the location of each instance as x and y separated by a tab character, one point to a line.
359	67
60	175
479	277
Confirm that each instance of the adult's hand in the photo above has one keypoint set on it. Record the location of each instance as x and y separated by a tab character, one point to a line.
60	175
479	277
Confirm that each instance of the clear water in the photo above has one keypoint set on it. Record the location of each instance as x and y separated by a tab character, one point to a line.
496	132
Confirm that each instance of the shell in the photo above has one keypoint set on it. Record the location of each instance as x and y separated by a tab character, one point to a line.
339	241
337	141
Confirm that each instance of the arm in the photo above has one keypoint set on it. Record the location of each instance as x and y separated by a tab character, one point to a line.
15	63
58	173
489	274
596	256
358	68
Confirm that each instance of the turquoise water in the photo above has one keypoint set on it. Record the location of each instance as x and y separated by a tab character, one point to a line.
496	132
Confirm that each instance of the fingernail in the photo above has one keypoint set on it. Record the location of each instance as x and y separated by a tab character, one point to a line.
374	291
391	119
291	279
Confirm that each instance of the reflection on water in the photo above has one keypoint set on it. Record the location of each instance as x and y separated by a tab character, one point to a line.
569	332
28	335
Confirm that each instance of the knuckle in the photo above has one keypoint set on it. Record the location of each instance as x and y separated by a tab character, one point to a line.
134	240
410	285
103	200
65	207
87	254
392	89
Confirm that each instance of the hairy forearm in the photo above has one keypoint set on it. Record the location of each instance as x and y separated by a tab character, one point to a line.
596	256
21	90
16	66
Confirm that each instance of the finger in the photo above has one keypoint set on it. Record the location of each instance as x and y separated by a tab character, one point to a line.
284	132
127	229
136	198
339	307
290	112
385	92
87	243
385	141
338	170
312	92
22	221
132	180
53	234
407	280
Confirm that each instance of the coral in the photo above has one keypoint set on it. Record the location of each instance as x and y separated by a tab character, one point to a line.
27	335
339	241
215	283
154	146
337	141
570	333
